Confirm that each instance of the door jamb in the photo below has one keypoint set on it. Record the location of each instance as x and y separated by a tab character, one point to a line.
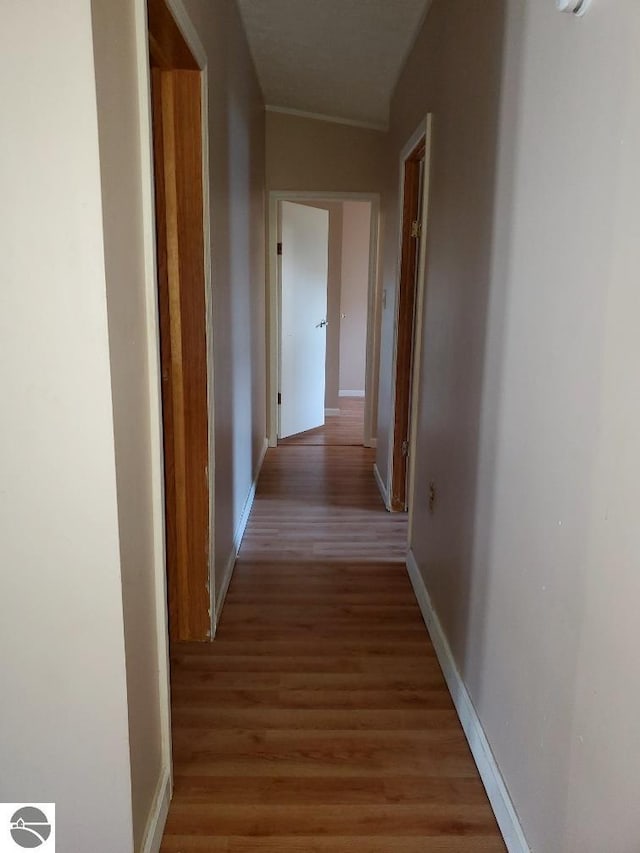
273	318
190	35
424	129
147	202
419	327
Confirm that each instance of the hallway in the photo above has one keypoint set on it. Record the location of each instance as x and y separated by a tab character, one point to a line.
343	429
318	719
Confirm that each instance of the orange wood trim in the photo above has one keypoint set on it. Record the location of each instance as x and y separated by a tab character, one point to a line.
192	313
171	533
406	324
175	334
168	49
177	131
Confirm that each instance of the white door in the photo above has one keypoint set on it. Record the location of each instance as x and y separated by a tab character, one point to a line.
305	250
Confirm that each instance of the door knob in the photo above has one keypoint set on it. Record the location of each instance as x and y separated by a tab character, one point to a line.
321	324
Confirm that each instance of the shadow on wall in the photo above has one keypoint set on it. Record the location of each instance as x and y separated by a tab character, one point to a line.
236	187
484	404
463	212
521	622
476	120
240	395
511	357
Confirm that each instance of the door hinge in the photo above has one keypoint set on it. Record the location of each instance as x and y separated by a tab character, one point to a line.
279	398
279	248
416	229
405	448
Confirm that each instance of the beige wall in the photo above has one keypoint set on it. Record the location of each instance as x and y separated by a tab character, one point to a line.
136	432
307	154
237	156
334	284
529	420
84	677
356	233
64	704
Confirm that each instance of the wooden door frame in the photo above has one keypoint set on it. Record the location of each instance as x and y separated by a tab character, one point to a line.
176	45
163	795
412	334
273	304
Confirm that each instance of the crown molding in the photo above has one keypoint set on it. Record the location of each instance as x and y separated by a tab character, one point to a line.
382	128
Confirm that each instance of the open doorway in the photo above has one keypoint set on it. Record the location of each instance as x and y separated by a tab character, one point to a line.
415	167
304	284
348	422
344	396
179	155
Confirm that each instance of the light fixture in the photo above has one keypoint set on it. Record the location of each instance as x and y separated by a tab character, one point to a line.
575	7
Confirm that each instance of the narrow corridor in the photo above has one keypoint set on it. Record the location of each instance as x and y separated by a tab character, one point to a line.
318	720
344	429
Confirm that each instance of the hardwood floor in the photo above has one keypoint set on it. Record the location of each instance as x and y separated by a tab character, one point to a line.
341	430
318	720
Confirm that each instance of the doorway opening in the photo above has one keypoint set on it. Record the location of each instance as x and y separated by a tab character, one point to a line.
324	316
179	149
410	308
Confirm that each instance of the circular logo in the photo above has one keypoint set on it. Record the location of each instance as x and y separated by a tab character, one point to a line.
30	827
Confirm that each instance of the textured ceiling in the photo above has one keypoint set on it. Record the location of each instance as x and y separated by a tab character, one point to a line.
338	58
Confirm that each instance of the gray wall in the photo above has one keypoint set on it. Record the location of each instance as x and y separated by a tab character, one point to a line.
65	736
136	433
237	162
84	724
307	154
334	286
529	420
354	294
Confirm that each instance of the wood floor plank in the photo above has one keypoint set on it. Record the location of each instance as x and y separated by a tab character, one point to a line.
332	844
350	680
370	820
313	719
345	428
361	648
318	720
329	790
411	665
336	699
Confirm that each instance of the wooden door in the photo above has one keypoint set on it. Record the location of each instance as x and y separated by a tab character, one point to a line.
411	224
177	138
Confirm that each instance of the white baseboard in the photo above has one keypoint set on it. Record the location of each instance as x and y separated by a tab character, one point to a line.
228	573
350	393
238	534
331	412
152	838
492	780
381	485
